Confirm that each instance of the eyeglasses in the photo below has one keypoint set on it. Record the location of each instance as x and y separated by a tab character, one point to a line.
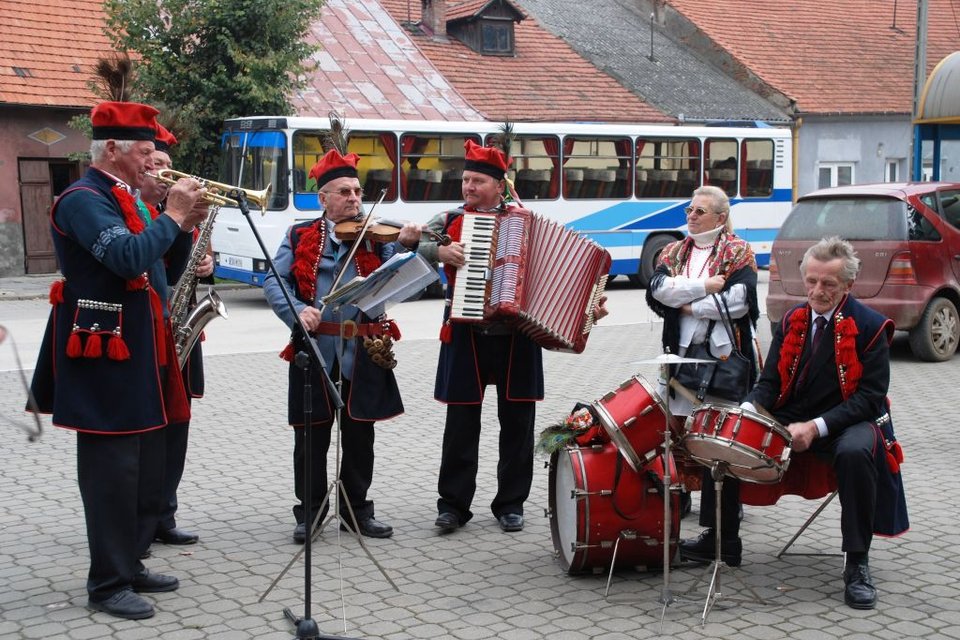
700	211
345	192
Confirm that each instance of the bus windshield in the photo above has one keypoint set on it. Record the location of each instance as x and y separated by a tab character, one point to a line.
253	160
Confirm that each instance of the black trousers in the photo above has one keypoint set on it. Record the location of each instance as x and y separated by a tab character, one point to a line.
851	452
461	442
356	466
120	479
176	456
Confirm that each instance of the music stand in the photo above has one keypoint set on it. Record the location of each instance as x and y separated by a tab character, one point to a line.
664	360
306	627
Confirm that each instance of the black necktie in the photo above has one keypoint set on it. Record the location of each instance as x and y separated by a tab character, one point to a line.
821	323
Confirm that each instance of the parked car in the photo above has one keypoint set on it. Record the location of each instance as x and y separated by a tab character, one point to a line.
907	237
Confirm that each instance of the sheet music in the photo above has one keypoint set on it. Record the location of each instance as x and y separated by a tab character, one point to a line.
394	281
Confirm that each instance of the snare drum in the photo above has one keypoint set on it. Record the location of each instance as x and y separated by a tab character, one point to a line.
634	417
756	448
596	500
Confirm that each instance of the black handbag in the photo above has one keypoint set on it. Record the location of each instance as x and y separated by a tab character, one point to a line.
727	378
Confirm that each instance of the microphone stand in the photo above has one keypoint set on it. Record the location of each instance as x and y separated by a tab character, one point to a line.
306	626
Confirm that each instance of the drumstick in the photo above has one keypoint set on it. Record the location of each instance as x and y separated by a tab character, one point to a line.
686	393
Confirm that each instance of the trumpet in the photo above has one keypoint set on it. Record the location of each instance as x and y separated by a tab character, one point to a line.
216	191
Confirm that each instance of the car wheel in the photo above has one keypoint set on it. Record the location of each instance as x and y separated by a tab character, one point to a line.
935	338
649	257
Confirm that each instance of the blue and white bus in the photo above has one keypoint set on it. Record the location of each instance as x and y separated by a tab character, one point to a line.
624	186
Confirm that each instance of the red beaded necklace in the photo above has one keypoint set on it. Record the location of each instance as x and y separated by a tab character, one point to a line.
706	262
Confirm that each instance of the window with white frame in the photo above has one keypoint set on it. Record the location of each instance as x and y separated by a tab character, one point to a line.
894	171
834	174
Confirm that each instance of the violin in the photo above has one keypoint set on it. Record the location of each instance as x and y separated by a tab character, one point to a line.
381	231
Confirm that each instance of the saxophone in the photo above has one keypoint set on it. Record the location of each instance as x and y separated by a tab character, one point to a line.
189	322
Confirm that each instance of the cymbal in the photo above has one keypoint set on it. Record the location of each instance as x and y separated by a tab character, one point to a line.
671	358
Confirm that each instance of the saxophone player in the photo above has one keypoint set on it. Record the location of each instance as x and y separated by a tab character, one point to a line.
154	194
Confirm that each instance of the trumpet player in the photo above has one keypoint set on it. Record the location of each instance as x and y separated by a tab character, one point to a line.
107	365
154	193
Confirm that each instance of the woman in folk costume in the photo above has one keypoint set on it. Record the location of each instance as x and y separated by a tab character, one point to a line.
710	265
355	347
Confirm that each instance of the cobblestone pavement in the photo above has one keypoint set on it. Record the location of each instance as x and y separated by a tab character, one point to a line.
477	582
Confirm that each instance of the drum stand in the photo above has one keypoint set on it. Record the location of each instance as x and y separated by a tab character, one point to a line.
718	470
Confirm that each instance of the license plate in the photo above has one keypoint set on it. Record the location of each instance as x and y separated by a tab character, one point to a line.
236	262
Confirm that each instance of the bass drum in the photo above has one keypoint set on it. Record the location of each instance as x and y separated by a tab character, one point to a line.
597	499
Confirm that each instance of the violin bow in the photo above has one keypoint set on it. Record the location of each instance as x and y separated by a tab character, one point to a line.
353	250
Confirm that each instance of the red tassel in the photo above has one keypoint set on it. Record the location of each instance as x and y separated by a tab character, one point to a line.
74	348
446	333
56	292
117	348
287	353
897	452
136	284
94	347
892	463
394	330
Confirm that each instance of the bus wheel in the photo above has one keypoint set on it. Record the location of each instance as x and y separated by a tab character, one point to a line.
648	259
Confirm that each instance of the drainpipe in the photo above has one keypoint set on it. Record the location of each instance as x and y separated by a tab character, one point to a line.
795	179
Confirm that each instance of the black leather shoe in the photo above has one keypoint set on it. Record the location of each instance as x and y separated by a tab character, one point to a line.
859	592
511	522
447	522
371	528
147	582
703	549
300	533
176	536
124	604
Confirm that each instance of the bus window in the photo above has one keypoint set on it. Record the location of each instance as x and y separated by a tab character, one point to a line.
757	157
602	166
252	160
536	164
431	166
667	167
376	167
720	164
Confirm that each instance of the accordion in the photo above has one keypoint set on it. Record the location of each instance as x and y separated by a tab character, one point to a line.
527	270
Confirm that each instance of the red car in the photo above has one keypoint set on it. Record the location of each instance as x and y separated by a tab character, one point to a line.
908	239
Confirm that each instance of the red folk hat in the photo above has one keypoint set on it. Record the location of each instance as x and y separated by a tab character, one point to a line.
165	139
332	166
123	121
488	160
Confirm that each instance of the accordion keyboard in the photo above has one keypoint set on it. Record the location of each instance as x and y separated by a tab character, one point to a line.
469	291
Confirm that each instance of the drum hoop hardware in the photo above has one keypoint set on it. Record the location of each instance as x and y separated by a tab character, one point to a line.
767	439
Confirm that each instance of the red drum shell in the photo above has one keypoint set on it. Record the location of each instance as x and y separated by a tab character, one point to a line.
634	416
756	448
586	519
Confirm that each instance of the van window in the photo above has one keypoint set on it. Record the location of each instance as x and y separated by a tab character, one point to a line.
863	218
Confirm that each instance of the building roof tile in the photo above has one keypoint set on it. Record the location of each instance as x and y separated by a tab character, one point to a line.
368	67
848	57
56	44
665	73
545	80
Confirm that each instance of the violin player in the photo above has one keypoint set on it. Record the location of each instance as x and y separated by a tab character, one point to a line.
308	262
